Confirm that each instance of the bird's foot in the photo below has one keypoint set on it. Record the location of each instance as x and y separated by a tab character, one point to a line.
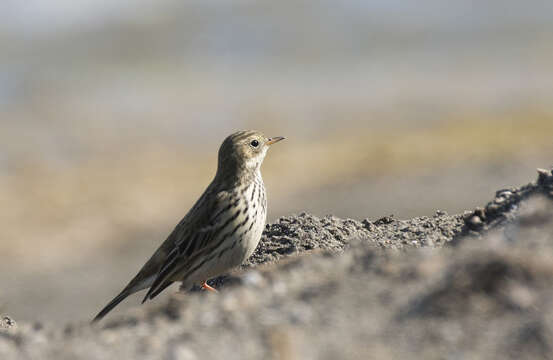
205	286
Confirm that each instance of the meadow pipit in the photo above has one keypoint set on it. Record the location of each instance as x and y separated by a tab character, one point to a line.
221	230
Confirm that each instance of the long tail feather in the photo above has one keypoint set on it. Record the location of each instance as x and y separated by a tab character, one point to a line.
113	303
162	279
160	289
160	283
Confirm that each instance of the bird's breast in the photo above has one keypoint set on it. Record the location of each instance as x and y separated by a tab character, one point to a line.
244	221
253	204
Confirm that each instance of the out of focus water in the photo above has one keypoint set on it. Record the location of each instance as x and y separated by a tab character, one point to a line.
162	65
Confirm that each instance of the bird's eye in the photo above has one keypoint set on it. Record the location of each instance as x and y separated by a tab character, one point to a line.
254	143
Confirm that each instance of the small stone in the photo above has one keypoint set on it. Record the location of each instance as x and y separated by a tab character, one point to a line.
368	225
475	222
543	175
480	212
504	193
385	220
7	322
499	200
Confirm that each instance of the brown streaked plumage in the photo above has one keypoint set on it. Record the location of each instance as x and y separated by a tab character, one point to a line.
221	230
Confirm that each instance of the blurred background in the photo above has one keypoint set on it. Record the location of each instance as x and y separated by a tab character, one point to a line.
111	115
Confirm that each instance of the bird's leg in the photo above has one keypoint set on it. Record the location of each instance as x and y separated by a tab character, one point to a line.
205	286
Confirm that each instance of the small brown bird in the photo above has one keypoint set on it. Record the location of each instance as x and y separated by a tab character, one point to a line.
221	230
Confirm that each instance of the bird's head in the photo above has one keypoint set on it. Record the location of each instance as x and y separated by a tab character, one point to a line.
244	151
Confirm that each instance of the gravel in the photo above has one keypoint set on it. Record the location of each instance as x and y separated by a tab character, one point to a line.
474	285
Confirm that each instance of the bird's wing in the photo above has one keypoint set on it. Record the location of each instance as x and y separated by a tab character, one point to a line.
183	241
191	237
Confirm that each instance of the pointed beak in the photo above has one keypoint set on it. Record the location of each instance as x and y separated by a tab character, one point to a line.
273	140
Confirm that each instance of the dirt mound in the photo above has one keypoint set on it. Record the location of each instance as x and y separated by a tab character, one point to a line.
332	288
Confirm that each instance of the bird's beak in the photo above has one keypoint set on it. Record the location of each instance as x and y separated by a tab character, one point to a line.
273	140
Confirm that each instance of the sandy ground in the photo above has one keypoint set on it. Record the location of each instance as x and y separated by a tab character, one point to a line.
474	285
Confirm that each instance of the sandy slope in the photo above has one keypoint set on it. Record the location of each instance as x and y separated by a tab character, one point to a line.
475	285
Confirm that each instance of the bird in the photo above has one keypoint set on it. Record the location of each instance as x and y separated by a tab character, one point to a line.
219	232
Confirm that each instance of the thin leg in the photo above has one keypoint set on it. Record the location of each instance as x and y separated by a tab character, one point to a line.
205	286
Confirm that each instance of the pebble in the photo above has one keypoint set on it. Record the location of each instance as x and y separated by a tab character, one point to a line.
475	221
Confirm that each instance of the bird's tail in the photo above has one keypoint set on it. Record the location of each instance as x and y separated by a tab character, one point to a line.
136	284
113	303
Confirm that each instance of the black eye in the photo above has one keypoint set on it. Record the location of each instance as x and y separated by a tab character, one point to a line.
254	143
